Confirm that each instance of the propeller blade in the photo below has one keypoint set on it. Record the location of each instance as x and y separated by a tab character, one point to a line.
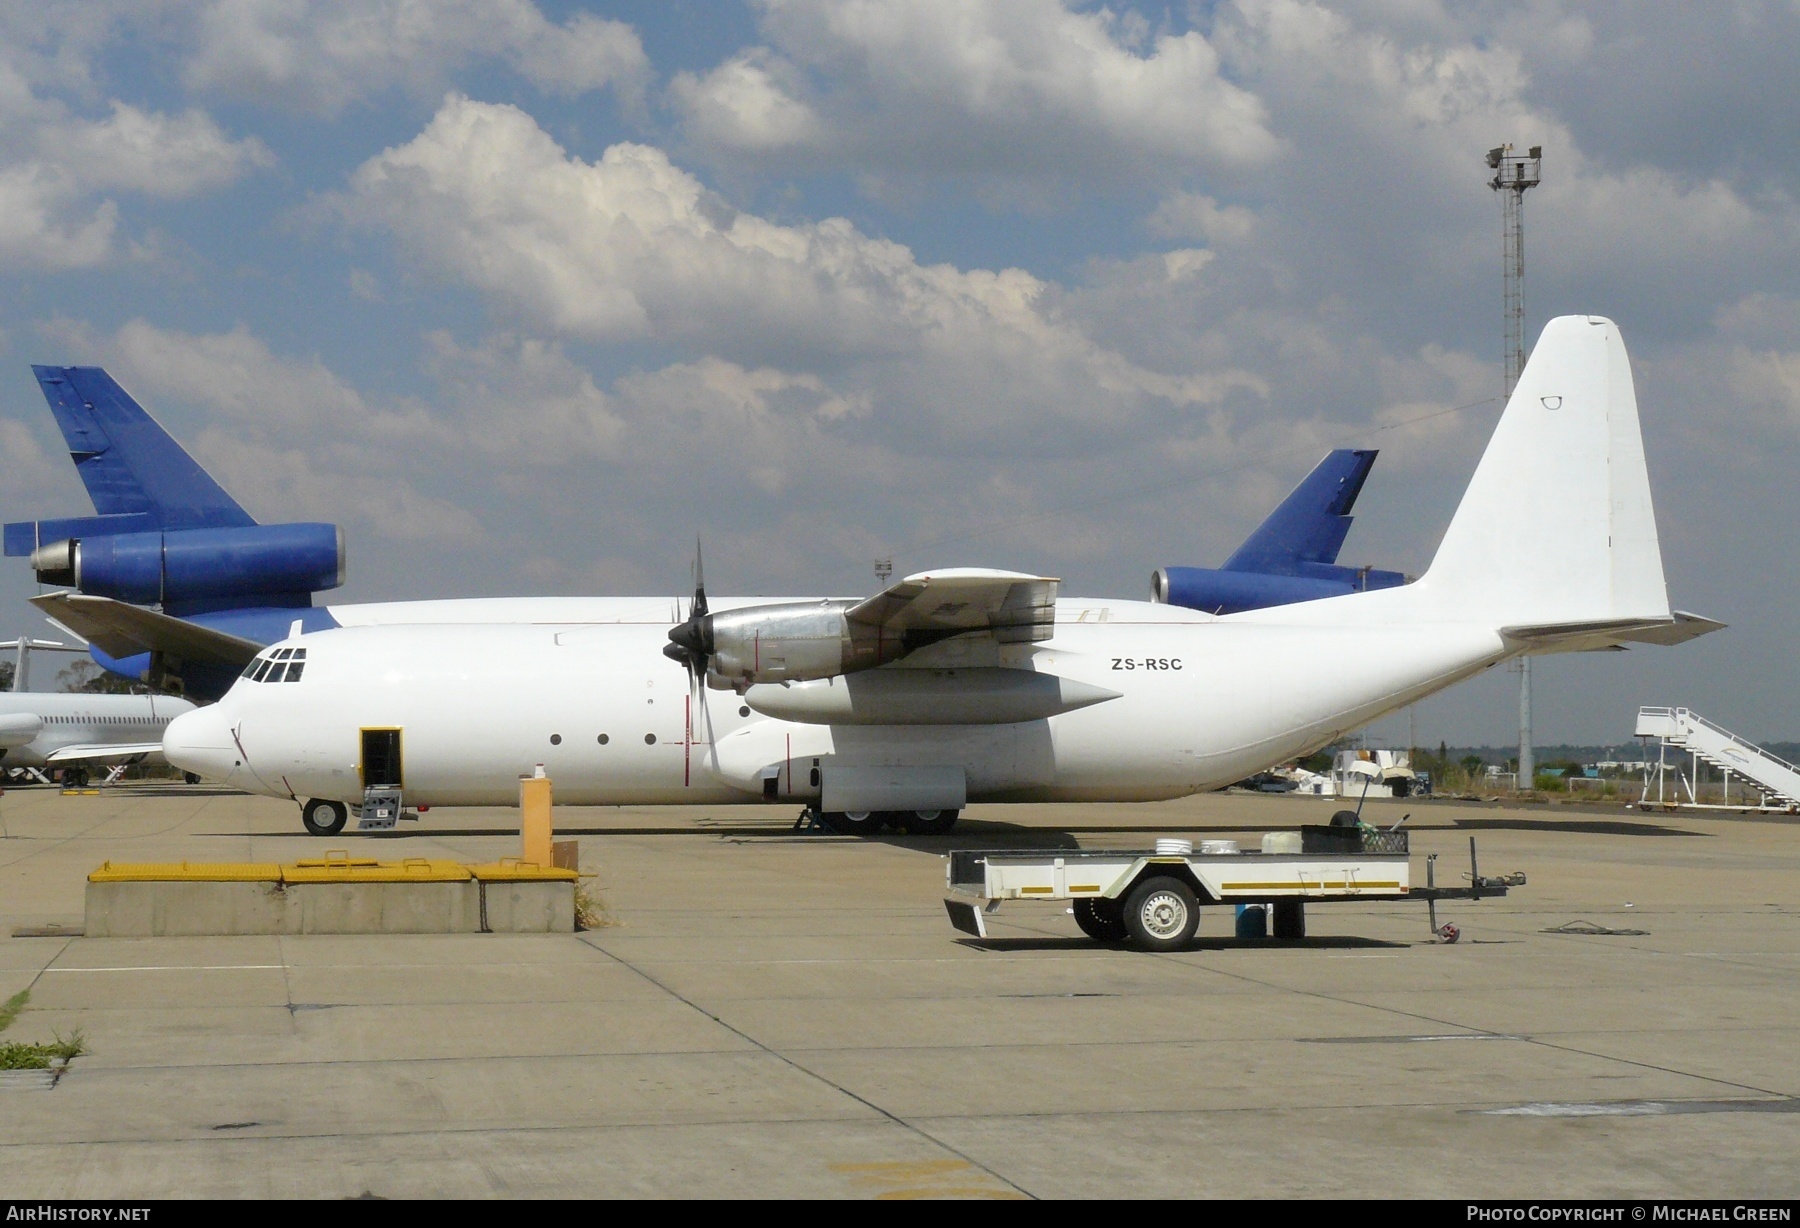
699	608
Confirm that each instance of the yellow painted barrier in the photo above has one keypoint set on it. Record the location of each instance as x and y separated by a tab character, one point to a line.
186	872
341	869
511	870
411	870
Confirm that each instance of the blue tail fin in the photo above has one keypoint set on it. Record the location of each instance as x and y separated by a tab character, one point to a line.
1310	524
1291	556
139	478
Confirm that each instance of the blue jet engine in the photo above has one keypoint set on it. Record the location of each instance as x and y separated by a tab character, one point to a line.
192	571
1292	556
168	536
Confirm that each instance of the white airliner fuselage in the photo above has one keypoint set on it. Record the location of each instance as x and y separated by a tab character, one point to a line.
39	728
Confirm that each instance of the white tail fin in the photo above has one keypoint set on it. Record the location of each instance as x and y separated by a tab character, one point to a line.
1556	527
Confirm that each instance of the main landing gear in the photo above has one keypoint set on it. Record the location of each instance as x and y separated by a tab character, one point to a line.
323	817
871	822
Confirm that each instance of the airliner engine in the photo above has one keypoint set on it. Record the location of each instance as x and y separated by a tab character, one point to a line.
1226	591
185	569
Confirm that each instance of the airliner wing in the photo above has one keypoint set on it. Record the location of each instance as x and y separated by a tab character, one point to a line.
121	630
1016	607
102	752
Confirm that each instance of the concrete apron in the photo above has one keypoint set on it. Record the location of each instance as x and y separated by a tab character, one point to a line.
187	909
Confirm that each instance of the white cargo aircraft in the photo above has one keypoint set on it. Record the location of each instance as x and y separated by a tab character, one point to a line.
75	731
959	685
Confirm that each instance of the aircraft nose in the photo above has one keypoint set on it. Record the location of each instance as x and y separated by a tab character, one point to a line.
200	741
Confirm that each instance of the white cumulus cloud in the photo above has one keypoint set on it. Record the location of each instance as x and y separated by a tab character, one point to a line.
58	169
982	88
631	246
324	55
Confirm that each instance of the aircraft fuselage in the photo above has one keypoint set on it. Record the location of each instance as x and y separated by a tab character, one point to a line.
1200	702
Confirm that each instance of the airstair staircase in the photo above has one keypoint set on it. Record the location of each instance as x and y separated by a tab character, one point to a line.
1778	779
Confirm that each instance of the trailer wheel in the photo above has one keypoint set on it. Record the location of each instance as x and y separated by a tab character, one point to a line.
927	822
1161	914
1101	919
1289	920
852	822
324	817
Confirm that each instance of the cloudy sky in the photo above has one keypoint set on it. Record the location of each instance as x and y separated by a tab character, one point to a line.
525	295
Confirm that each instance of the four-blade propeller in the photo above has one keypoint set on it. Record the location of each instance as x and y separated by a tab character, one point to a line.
691	642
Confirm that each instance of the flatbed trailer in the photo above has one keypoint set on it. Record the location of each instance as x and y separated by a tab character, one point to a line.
1152	899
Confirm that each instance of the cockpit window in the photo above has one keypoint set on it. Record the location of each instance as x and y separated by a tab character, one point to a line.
281	665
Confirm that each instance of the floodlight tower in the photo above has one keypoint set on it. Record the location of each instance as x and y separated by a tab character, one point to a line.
1514	175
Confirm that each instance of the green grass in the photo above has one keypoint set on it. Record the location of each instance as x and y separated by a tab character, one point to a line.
17	1055
10	1011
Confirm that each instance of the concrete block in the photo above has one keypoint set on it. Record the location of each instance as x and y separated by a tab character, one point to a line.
387	908
156	909
531	907
170	909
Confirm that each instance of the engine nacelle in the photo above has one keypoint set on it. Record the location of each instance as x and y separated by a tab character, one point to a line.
179	567
1228	592
792	641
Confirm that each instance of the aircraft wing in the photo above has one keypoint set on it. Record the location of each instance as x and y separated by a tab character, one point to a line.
121	630
102	752
1613	636
1016	607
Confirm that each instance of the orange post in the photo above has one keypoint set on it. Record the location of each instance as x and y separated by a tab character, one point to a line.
534	819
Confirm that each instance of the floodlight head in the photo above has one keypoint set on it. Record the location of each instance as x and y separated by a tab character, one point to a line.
1494	156
1537	151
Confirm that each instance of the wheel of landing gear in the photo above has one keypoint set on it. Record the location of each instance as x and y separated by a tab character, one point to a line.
323	817
928	822
852	822
193	778
75	778
1101	919
1161	914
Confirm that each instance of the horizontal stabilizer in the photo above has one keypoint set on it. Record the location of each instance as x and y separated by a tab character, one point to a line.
1602	636
121	630
1685	627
